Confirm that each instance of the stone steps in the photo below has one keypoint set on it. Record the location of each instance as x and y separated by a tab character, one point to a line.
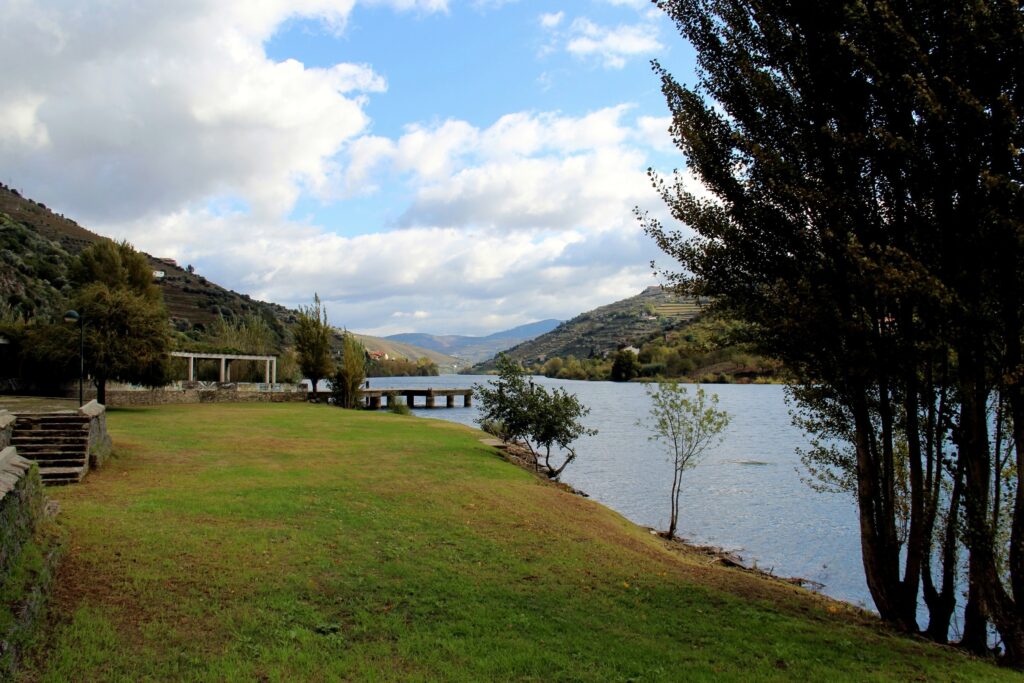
19	439
61	476
58	443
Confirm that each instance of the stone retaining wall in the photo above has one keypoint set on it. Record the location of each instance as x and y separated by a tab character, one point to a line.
6	428
21	504
28	555
100	445
153	397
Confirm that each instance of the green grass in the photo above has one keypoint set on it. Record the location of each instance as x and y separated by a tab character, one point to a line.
290	542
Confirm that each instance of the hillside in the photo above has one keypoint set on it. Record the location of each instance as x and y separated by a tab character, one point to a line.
605	329
475	349
41	243
395	349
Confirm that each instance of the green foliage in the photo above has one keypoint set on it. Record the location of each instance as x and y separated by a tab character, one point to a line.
249	334
126	330
597	333
116	265
686	428
495	428
706	348
34	280
529	413
127	337
348	379
864	171
624	366
399	408
400	367
312	336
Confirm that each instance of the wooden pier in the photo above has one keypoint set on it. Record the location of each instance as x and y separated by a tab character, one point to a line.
376	399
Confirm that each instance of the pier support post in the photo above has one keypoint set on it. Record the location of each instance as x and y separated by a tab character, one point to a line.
467	400
430	398
451	401
375	402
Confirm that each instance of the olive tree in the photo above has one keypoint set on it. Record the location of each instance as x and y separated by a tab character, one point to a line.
686	428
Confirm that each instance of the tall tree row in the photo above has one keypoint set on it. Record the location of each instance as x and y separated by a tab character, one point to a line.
862	161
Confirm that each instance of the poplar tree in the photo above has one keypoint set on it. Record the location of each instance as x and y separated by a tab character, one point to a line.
313	342
864	191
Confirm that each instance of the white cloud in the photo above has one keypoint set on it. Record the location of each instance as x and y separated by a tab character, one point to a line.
552	19
132	107
632	4
654	132
168	124
612	45
464	280
528	218
20	124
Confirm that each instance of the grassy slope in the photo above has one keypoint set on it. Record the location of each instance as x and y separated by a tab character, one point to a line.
298	542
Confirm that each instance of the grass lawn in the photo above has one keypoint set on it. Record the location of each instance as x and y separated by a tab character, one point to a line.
292	542
34	404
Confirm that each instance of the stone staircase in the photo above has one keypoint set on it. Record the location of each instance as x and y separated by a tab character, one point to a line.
57	442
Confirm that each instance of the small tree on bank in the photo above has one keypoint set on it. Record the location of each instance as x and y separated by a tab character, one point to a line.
351	373
686	428
530	414
313	342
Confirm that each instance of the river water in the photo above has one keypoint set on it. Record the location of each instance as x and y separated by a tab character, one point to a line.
746	496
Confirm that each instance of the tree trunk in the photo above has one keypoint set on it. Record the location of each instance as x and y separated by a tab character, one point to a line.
942	603
674	516
879	550
975	637
918	541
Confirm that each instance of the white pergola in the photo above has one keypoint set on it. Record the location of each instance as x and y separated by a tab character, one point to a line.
225	359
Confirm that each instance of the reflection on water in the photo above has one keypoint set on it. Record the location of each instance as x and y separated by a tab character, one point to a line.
745	496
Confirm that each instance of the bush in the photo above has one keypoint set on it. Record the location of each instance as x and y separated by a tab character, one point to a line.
495	428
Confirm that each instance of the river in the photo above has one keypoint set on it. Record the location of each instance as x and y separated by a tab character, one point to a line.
746	496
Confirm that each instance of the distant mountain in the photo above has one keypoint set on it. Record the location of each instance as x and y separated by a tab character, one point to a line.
446	364
604	329
475	349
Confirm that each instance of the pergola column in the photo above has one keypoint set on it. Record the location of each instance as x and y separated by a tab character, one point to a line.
223	369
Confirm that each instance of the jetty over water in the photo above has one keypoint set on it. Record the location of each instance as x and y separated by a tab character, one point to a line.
376	399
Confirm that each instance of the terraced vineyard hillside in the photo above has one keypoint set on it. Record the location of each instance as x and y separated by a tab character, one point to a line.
603	330
37	246
43	243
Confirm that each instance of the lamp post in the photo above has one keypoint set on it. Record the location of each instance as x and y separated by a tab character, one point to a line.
74	317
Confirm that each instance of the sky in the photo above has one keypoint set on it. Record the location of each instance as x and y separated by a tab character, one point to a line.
442	166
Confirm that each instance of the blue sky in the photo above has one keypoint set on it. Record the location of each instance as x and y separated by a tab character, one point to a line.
424	165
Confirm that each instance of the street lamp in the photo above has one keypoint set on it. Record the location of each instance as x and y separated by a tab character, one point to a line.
73	317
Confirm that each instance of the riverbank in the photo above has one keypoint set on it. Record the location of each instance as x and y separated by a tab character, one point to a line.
301	542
